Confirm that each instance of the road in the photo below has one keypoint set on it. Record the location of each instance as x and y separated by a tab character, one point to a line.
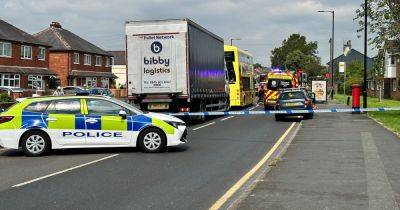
194	176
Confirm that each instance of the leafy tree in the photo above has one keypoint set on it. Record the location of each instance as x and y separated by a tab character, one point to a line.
293	43
354	75
383	21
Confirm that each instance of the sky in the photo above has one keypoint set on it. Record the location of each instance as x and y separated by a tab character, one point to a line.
261	25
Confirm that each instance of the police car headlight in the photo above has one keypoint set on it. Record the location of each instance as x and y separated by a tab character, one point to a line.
176	124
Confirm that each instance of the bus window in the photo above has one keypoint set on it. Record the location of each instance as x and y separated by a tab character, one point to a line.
229	59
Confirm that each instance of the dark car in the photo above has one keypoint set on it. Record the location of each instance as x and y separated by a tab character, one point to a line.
101	92
75	90
295	99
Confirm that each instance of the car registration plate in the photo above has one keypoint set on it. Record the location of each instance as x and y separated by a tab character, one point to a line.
294	104
158	106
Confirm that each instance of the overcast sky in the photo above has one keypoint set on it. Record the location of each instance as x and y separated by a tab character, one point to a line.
262	25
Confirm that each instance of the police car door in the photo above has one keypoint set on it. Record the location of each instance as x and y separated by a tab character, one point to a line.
104	125
65	122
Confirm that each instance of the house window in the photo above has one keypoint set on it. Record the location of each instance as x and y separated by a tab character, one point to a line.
394	85
398	82
5	49
112	61
98	60
76	58
107	62
42	53
392	59
10	80
105	82
87	60
91	81
35	82
26	52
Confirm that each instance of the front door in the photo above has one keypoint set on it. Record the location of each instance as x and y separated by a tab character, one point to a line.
65	122
104	125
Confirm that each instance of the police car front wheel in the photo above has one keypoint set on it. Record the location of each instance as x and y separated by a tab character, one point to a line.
35	143
152	140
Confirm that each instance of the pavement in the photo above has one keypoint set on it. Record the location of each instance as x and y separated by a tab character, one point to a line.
195	176
336	161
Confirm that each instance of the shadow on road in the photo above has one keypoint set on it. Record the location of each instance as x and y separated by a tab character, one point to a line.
90	151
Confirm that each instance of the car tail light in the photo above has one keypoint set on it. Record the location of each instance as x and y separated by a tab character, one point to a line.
4	119
184	109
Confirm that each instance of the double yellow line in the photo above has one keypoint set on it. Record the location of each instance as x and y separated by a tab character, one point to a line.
221	201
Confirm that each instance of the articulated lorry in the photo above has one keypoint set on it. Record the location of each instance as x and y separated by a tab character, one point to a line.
175	66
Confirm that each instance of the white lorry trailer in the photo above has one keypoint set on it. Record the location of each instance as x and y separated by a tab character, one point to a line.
175	66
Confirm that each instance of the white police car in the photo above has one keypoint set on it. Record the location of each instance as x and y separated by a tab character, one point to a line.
39	124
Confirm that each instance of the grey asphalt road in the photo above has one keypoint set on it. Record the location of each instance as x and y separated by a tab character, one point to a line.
185	177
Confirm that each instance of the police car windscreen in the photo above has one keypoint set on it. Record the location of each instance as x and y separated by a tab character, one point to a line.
276	84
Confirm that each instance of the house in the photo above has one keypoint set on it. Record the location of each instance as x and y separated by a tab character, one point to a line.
24	60
388	85
118	67
76	61
350	55
392	70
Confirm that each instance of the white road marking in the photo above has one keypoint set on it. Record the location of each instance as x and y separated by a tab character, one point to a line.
64	171
220	202
227	118
212	123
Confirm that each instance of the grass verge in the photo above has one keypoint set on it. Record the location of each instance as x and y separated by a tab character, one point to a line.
390	119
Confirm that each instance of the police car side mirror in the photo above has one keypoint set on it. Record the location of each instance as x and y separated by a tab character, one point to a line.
122	114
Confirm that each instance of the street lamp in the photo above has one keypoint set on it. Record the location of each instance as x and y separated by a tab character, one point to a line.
236	39
332	45
365	53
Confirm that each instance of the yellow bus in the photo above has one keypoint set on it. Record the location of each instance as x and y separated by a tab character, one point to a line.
239	65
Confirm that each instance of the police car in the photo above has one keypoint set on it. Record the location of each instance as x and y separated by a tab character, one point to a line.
38	125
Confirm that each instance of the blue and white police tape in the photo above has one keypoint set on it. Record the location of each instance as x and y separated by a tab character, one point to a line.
267	112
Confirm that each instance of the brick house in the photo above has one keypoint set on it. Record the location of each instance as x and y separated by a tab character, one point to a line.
76	61
24	60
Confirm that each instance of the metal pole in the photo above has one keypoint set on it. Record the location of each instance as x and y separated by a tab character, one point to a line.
365	53
231	41
333	52
344	86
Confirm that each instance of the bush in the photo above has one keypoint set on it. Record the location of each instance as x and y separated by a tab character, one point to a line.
5	98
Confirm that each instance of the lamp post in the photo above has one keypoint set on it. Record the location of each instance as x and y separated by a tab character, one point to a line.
365	53
332	46
236	39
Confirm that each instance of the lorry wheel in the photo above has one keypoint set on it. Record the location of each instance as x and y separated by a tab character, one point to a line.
202	118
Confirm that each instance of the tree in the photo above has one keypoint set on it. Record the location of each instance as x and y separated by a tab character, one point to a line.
383	23
293	43
296	53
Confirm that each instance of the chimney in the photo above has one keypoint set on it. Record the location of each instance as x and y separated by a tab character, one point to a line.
347	47
55	25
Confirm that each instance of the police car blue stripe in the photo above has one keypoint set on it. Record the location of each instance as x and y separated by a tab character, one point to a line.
96	125
33	120
139	121
80	122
